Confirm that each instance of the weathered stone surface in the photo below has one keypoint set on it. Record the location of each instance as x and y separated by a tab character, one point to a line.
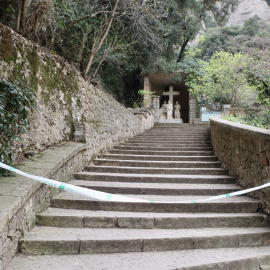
100	222
181	260
243	150
21	198
137	222
248	9
117	227
64	98
248	264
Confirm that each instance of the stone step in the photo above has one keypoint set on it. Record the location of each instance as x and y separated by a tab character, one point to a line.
167	204
171	136
71	241
168	136
176	140
157	188
168	231
170	148
177	131
159	164
72	218
176	145
180	132
241	258
148	178
174	133
155	139
160	152
183	125
153	170
179	127
159	157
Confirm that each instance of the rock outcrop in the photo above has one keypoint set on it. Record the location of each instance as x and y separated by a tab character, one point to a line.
247	9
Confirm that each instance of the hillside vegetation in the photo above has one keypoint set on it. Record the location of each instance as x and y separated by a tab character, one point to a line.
230	65
114	42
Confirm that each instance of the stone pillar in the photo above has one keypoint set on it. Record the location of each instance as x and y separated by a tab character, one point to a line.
226	109
147	100
192	110
156	103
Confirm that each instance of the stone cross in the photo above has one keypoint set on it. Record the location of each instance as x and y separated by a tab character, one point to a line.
171	93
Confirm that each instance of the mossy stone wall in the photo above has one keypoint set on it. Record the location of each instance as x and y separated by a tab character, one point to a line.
63	97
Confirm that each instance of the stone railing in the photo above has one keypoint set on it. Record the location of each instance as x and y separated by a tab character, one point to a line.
245	152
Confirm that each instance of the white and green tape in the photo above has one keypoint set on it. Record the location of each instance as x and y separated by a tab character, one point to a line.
103	196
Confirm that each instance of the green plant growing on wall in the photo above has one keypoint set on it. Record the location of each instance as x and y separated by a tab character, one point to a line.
15	104
142	93
225	79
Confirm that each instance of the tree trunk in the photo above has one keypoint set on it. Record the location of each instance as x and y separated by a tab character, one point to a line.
18	19
21	18
41	8
81	49
97	44
182	51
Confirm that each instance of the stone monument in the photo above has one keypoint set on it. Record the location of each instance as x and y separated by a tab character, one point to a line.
177	114
177	108
171	93
163	111
169	110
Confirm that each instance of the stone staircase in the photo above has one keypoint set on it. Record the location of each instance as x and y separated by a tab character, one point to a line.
166	164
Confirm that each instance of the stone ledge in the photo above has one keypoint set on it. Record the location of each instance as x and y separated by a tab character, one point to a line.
245	129
19	195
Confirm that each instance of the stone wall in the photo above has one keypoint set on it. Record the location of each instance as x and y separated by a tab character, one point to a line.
245	152
64	97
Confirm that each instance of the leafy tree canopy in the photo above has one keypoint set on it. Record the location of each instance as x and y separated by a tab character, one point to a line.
224	79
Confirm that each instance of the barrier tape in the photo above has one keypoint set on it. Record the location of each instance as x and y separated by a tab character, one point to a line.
103	196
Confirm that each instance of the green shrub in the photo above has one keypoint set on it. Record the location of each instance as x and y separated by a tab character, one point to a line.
15	104
260	120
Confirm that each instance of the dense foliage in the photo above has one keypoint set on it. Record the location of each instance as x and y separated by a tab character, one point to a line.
231	65
15	104
132	37
225	80
116	42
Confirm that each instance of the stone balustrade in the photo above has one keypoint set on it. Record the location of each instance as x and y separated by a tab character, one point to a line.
245	152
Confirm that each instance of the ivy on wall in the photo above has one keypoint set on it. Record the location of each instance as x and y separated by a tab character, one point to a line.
15	104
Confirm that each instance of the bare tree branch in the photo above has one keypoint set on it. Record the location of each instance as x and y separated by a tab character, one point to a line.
97	45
